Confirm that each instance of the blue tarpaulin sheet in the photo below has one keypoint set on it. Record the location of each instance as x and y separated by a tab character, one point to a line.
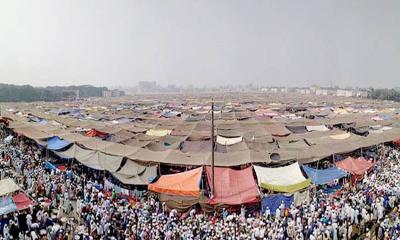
50	166
55	143
274	201
7	205
324	176
332	189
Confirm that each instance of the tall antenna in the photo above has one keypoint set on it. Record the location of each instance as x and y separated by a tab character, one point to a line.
213	148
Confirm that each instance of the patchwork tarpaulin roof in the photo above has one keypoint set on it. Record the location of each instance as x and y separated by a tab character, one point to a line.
233	187
355	166
323	176
55	143
180	184
91	158
196	146
281	179
32	133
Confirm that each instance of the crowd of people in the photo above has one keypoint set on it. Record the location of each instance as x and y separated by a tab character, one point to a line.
74	205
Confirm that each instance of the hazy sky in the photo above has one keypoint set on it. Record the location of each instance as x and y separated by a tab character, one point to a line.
200	42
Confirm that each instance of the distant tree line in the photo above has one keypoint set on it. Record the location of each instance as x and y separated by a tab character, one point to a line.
27	93
392	94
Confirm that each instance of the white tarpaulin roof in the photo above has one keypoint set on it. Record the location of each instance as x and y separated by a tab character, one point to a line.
319	128
228	141
8	186
281	176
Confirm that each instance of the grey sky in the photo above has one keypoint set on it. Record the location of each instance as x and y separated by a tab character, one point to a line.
200	42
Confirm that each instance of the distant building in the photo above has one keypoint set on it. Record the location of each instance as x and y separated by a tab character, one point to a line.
314	89
147	86
70	94
113	93
344	93
361	93
321	92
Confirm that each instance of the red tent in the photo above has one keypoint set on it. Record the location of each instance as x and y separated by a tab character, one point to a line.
397	142
355	166
22	201
95	133
233	187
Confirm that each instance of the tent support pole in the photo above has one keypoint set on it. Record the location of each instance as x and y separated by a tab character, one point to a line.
213	147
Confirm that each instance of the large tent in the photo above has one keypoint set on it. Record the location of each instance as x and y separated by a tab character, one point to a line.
355	166
287	179
179	184
323	176
233	187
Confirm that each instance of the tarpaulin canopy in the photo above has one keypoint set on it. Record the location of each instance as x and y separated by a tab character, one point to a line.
273	202
323	176
180	184
95	133
8	186
228	141
158	132
281	179
233	187
340	136
32	133
355	166
91	158
22	201
319	128
297	129
277	130
55	143
196	146
133	173
7	205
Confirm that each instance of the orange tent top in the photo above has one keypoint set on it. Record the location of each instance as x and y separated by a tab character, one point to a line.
355	166
233	187
397	142
96	133
180	184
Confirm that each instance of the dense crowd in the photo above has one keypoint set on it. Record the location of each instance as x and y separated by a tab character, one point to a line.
74	205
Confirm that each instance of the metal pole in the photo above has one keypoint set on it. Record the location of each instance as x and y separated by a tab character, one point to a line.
213	147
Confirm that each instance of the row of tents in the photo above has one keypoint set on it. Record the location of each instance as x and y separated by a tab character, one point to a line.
233	187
